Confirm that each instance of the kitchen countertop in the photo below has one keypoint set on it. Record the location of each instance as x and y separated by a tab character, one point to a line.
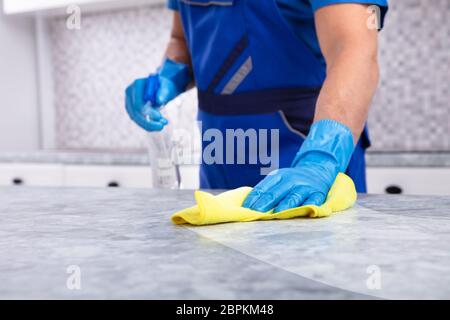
125	247
374	159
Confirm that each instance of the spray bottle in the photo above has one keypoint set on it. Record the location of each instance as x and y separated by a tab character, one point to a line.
176	77
165	170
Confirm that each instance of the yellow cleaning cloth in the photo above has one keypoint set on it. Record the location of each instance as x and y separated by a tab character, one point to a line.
227	207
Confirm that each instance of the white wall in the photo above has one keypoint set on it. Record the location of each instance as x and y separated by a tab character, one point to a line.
19	122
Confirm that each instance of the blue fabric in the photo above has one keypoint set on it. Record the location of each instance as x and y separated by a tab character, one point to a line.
284	56
317	4
212	33
300	16
298	103
230	176
234	175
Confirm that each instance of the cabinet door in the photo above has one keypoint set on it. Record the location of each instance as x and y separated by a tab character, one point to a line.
31	175
415	181
108	176
190	179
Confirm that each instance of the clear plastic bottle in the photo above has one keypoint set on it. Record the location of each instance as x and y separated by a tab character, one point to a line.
165	170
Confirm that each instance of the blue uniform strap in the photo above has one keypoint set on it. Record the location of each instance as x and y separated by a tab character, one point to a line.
258	102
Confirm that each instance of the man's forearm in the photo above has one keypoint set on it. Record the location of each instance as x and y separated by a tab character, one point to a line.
352	79
177	49
350	49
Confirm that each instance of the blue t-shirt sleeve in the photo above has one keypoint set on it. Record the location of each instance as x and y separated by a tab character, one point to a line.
383	4
172	4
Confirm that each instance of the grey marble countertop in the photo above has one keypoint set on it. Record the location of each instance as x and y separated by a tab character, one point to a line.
121	244
374	159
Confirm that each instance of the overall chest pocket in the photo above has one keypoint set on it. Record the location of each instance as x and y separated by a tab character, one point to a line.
206	3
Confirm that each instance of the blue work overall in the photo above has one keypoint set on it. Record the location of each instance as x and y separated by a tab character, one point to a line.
253	72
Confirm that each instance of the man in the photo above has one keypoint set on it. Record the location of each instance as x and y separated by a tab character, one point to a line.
307	68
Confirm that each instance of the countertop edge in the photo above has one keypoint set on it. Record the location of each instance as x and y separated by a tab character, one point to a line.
373	159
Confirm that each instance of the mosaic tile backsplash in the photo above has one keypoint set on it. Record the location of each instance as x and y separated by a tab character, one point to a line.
92	67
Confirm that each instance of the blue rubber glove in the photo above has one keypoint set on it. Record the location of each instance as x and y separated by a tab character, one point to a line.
325	153
145	96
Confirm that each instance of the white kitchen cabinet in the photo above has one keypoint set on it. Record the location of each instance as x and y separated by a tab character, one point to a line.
409	181
122	176
107	176
27	6
59	175
190	178
31	175
412	181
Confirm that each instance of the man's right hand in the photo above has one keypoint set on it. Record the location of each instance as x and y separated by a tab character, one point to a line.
145	96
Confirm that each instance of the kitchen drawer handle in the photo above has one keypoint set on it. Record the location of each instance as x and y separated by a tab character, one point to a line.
17	181
113	184
394	190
